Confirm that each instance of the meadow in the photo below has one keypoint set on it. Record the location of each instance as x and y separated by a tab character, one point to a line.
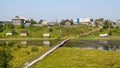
65	57
114	33
24	53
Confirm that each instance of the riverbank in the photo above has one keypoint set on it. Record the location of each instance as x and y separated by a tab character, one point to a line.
72	38
98	38
28	38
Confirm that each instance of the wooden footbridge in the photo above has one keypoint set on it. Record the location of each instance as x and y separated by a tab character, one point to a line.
28	64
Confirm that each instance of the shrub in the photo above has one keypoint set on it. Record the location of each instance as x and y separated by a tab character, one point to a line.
27	52
50	29
117	27
19	46
34	49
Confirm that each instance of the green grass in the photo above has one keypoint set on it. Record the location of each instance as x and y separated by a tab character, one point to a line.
80	58
24	54
38	31
115	33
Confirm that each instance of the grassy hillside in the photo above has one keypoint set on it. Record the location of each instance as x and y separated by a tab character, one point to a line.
115	33
54	31
80	58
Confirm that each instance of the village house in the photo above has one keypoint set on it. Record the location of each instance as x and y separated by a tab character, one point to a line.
17	20
68	22
86	21
44	23
115	23
24	33
27	24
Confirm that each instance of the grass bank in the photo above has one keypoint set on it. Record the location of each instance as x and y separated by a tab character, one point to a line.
80	58
23	53
28	38
54	31
97	38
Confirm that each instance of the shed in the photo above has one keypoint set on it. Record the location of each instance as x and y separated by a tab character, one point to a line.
8	34
103	35
46	35
24	33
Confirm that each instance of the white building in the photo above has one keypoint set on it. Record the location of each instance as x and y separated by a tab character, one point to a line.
116	22
44	23
17	20
85	19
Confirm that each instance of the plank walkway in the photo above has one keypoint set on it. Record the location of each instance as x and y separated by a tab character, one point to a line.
88	33
46	53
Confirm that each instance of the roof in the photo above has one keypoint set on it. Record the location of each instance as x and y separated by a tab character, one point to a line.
103	35
23	31
46	35
19	17
68	20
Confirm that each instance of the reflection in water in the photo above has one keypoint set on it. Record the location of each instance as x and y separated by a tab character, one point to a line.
90	44
31	42
103	42
24	42
46	42
96	44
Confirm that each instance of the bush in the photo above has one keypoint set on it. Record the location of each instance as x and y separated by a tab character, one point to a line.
117	27
27	52
19	46
101	30
50	29
11	44
34	49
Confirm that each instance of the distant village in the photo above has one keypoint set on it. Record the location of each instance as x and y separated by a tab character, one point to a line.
18	20
22	21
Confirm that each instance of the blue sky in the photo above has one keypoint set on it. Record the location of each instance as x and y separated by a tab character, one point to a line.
59	9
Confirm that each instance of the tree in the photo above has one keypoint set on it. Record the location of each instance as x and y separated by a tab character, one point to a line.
22	26
40	22
101	20
62	22
50	29
32	21
13	32
10	26
110	25
106	24
110	33
5	56
1	27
